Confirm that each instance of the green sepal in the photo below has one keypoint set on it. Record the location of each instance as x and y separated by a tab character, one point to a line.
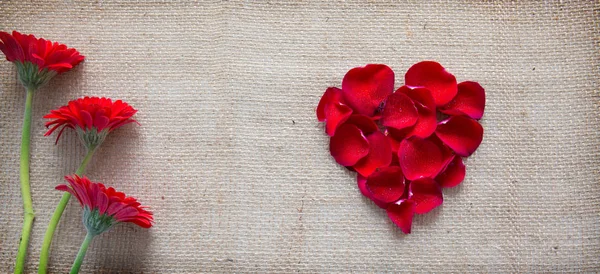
31	76
91	138
97	223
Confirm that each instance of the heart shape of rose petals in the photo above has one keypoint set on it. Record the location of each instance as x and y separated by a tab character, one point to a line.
403	155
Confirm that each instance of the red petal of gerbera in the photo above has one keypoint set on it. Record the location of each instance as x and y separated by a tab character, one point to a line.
426	193
386	184
348	145
60	67
380	154
364	123
332	94
399	112
454	173
87	120
11	48
336	114
420	158
362	186
364	88
66	188
470	101
100	122
462	134
125	213
401	213
434	77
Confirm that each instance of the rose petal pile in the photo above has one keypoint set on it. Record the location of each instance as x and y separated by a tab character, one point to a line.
406	145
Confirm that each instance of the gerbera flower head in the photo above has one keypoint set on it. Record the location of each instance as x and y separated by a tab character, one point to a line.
91	117
104	207
37	59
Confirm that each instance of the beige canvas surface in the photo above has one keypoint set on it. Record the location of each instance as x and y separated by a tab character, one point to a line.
236	168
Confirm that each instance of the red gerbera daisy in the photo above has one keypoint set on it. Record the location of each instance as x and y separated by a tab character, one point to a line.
37	59
91	117
102	209
105	207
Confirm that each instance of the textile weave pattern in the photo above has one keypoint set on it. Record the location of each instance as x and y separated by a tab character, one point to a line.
232	161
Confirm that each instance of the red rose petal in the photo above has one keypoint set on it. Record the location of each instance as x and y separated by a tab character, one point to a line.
395	160
332	110
332	94
434	77
427	121
419	95
395	146
420	158
397	134
364	88
386	184
336	114
425	126
447	153
426	193
454	173
364	123
462	134
399	112
348	145
401	213
380	154
362	186
470	101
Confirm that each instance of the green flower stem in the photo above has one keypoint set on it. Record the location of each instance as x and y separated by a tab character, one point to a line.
25	187
45	253
81	254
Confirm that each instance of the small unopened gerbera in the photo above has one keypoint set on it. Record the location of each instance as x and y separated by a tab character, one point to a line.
103	208
92	118
37	60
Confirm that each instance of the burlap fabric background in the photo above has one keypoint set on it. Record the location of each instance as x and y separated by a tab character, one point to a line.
237	170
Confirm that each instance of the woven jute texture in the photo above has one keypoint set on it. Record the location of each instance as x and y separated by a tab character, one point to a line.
235	166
